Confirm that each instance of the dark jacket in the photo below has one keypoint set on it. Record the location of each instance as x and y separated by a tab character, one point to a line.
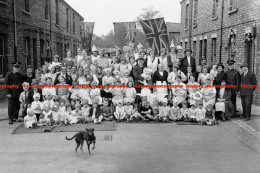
98	112
14	79
220	76
233	78
247	84
185	64
157	76
137	72
31	93
229	108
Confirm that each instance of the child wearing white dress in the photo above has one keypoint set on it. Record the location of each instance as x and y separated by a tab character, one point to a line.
175	112
195	95
164	111
210	115
62	111
200	114
120	113
117	77
126	76
30	120
118	93
130	92
192	113
46	116
37	106
95	92
123	66
48	102
85	112
56	115
78	113
23	98
49	89
70	117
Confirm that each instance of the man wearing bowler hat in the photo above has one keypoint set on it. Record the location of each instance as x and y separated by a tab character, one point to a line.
14	78
233	78
248	83
188	60
137	72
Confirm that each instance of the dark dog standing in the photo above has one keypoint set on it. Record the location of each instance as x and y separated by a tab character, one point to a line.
82	136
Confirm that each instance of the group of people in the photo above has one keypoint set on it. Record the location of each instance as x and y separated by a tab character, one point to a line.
127	85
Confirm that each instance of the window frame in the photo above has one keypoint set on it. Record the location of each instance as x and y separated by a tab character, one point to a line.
195	13
47	10
2	57
233	7
186	22
73	23
57	14
26	4
215	9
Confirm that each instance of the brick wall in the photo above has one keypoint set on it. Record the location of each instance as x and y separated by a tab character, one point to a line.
246	16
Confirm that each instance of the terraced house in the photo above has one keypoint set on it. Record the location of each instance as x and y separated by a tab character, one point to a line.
219	30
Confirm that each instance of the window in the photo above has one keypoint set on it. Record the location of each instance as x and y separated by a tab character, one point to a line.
2	47
205	48
233	5
42	43
194	48
3	2
46	9
195	12
35	53
67	18
57	12
215	9
187	17
58	48
27	48
200	49
185	45
74	23
26	5
214	50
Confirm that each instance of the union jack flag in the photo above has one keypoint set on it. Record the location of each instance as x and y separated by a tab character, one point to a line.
156	33
130	31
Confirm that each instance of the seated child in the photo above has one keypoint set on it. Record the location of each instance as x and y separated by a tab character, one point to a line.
46	116
70	117
175	112
126	76
106	111
78	113
195	95
118	93
56	115
120	114
192	112
37	106
145	110
48	101
62	111
164	111
24	99
117	77
130	92
200	113
95	92
75	95
85	111
155	108
95	112
184	112
136	116
210	116
30	120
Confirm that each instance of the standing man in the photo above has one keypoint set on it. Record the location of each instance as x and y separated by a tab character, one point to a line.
248	86
137	72
188	60
14	78
233	78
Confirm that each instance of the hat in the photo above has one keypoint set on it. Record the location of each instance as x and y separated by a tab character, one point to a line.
94	49
162	49
36	95
179	47
244	65
140	46
192	103
115	72
17	64
140	59
230	62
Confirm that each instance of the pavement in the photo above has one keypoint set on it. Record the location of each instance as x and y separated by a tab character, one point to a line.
232	147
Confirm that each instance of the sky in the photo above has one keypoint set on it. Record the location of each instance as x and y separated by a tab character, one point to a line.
105	12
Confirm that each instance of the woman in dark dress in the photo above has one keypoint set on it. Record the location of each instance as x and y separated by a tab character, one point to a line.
220	76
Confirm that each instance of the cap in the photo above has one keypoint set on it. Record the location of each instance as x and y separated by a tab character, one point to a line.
17	64
230	62
162	50
179	47
140	59
94	49
244	65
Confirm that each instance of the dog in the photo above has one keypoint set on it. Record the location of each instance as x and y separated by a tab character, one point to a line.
82	136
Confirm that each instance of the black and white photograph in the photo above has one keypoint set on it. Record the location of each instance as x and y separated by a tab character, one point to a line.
123	86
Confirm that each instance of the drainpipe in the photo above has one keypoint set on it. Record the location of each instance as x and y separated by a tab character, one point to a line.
221	32
50	46
15	31
190	23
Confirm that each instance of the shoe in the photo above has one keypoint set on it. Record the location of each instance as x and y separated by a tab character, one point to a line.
11	122
247	119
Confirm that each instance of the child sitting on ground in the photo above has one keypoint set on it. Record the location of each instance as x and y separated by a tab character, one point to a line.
106	111
192	112
46	117
120	113
210	116
195	95
118	93
200	113
175	112
30	120
70	117
95	92
37	106
85	111
56	115
130	91
48	101
164	111
145	110
62	111
95	112
78	113
184	112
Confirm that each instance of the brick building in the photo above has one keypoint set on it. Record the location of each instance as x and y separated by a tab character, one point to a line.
43	28
174	32
219	30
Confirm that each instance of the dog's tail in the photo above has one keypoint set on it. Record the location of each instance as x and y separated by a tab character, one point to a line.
70	138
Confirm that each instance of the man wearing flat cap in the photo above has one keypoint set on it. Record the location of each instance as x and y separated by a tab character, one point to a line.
233	78
188	60
14	78
248	86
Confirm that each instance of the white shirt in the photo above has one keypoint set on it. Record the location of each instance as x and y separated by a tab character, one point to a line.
188	60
